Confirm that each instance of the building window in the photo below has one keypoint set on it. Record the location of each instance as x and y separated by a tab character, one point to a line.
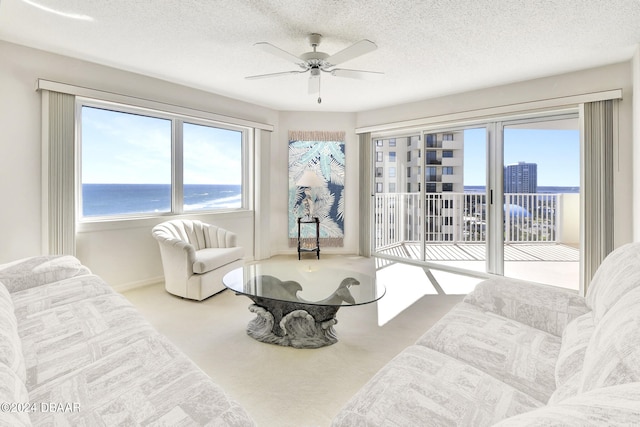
447	153
408	156
392	156
392	142
447	170
379	187
127	167
431	173
379	155
408	172
447	137
392	187
379	172
432	158
379	143
392	172
447	186
430	187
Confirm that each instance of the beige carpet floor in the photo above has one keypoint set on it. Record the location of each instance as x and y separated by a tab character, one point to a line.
281	386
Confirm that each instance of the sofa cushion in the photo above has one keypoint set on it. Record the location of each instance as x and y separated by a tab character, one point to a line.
608	406
574	345
10	343
613	354
57	294
542	307
618	274
422	387
36	271
212	258
13	393
516	354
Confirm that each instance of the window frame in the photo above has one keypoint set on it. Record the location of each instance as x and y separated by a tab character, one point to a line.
177	167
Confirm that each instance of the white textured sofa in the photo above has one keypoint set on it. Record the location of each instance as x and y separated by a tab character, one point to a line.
519	354
75	353
195	257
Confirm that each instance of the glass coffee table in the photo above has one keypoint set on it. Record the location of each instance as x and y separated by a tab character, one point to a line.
296	303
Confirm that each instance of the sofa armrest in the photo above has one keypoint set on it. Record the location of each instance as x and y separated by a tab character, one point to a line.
35	271
540	306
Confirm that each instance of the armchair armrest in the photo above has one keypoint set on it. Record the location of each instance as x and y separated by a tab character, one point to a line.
36	271
540	306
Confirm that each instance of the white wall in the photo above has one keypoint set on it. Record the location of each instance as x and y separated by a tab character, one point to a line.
124	252
310	121
617	76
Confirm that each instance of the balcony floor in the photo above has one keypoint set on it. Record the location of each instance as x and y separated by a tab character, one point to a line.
549	263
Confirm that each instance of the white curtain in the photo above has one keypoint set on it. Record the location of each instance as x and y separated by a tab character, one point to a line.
59	217
599	134
365	192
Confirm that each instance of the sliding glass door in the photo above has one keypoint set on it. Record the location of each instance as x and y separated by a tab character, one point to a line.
497	198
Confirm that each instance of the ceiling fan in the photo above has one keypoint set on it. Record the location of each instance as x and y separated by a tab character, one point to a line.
317	62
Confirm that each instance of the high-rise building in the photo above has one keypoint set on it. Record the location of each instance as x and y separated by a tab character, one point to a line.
521	177
432	162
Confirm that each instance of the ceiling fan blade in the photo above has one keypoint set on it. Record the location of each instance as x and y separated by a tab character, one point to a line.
265	76
353	51
357	74
314	84
269	48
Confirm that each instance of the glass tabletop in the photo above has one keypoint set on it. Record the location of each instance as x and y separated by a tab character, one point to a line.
307	283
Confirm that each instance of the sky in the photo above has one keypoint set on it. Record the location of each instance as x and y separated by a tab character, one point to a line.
122	148
556	152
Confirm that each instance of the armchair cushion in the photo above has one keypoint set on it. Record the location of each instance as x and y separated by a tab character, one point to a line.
211	258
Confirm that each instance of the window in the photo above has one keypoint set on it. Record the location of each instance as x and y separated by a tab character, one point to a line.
379	155
392	172
378	187
447	170
392	156
431	173
392	187
126	164
447	137
392	142
379	172
379	143
408	172
408	156
447	186
430	187
212	172
447	153
432	158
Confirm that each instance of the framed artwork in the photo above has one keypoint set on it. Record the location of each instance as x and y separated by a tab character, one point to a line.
319	156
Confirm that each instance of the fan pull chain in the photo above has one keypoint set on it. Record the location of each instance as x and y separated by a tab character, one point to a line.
319	89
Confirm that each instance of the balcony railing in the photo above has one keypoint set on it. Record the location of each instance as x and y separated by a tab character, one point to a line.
461	218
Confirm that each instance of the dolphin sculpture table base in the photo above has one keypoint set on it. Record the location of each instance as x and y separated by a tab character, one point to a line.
293	324
299	323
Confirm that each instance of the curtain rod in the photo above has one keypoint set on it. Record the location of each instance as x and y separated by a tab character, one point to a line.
42	84
509	109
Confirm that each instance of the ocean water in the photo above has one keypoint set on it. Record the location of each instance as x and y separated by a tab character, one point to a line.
541	189
123	199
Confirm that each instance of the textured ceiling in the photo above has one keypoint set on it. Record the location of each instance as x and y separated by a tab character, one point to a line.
425	48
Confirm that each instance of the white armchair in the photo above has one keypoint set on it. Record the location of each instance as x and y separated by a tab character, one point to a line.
195	257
